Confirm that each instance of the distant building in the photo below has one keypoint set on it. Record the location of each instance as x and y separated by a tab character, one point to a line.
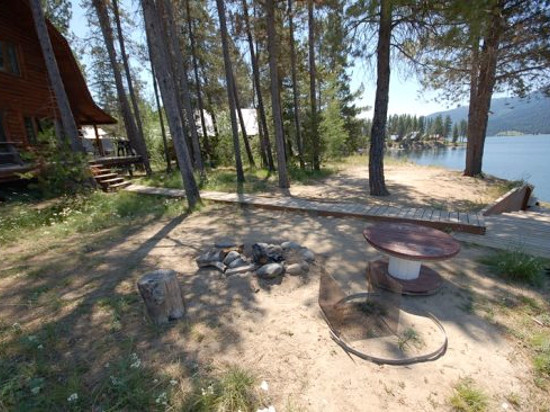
250	118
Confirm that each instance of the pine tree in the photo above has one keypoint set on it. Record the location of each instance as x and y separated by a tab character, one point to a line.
275	97
67	119
165	76
230	89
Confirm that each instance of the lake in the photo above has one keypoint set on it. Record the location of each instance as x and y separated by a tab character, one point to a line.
510	157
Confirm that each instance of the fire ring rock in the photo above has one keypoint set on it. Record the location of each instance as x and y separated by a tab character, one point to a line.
270	271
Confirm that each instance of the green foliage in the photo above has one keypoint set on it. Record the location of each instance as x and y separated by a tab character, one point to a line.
225	179
82	213
59	12
332	130
516	264
468	398
61	171
231	393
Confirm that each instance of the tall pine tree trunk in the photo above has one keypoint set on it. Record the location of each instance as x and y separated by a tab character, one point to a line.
484	65
176	52
312	88
377	182
275	98
157	100
129	122
165	77
212	113
161	121
230	90
295	87
207	147
265	144
67	119
243	127
131	91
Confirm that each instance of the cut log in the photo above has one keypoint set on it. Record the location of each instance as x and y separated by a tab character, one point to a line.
162	295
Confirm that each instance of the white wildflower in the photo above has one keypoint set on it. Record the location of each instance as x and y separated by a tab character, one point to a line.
73	397
155	380
40	346
173	382
136	361
264	386
162	399
36	390
270	408
210	389
114	380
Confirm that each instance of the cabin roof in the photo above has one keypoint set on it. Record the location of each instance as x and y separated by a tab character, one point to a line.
85	110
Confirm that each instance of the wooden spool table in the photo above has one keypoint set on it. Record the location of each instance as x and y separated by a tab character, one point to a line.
407	246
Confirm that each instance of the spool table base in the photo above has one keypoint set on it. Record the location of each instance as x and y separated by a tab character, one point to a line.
428	281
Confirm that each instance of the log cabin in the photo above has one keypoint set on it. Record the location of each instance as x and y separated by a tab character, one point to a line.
27	101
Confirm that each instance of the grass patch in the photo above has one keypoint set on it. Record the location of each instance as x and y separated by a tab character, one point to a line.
224	179
516	265
540	343
232	392
467	397
83	213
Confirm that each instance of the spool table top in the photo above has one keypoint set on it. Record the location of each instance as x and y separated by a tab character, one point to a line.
411	242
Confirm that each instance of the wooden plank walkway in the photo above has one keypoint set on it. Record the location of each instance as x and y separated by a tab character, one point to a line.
455	221
528	230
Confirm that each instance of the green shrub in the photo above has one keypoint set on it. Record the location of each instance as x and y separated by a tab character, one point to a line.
61	170
516	265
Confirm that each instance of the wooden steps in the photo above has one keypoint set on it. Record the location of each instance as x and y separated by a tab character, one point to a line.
107	179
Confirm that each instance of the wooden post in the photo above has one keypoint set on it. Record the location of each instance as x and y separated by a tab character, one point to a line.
98	141
162	295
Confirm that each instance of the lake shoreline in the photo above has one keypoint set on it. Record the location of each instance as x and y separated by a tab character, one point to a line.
508	157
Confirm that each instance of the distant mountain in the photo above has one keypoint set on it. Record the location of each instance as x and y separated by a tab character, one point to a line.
530	115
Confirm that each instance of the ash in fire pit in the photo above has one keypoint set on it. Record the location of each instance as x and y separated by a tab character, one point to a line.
266	260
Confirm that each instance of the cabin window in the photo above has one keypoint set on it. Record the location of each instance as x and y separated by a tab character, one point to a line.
9	62
3	138
31	130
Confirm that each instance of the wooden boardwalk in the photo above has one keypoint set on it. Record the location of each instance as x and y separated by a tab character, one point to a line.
528	230
439	219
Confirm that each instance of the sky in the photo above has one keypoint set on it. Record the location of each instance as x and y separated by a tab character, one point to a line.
406	96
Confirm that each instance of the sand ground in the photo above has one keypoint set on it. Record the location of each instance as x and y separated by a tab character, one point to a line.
278	333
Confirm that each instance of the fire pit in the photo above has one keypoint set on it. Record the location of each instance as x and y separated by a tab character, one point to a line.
265	260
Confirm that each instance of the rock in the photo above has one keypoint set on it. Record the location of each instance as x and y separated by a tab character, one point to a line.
240	269
295	269
270	271
213	255
231	256
263	253
290	245
307	255
225	244
218	265
238	262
